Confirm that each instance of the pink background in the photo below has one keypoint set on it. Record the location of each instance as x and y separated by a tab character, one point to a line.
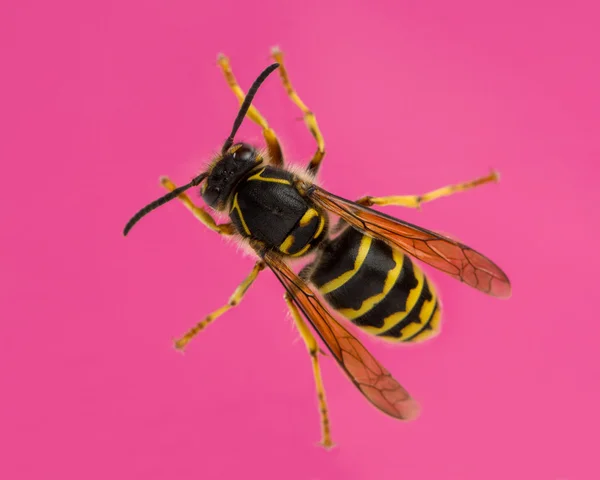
100	98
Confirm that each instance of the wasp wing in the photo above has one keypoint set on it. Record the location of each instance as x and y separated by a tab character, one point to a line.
371	378
441	252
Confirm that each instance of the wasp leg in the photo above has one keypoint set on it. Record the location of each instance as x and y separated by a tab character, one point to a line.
234	300
275	153
199	212
309	117
313	350
415	201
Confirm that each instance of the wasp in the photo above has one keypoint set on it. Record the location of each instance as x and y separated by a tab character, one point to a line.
362	267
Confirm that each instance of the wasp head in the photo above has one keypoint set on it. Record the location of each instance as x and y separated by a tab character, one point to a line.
226	173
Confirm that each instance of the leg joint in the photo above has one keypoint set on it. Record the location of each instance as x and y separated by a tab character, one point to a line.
367	201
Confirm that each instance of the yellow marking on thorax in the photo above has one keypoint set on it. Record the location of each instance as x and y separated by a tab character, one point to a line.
308	216
321	226
235	206
397	317
304	221
257	176
369	303
363	250
303	251
287	243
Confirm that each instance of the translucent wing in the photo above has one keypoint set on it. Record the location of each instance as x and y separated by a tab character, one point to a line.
371	378
443	253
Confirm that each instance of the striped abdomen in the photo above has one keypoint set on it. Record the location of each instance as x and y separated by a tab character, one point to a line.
378	288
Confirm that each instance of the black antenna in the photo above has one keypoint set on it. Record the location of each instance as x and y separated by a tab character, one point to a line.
161	201
246	104
196	181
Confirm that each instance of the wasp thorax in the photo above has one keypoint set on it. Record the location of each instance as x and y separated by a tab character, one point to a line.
228	170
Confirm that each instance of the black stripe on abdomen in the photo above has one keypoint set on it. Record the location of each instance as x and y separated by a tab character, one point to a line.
338	258
413	319
395	300
367	282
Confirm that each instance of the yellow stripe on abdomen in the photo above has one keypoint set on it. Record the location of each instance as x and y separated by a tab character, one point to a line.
411	300
370	302
431	329
421	322
363	250
424	312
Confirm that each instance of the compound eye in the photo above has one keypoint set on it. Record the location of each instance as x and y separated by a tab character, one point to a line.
244	154
211	195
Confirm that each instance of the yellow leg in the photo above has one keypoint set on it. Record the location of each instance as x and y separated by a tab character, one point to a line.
309	117
199	212
253	114
235	299
313	350
415	201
